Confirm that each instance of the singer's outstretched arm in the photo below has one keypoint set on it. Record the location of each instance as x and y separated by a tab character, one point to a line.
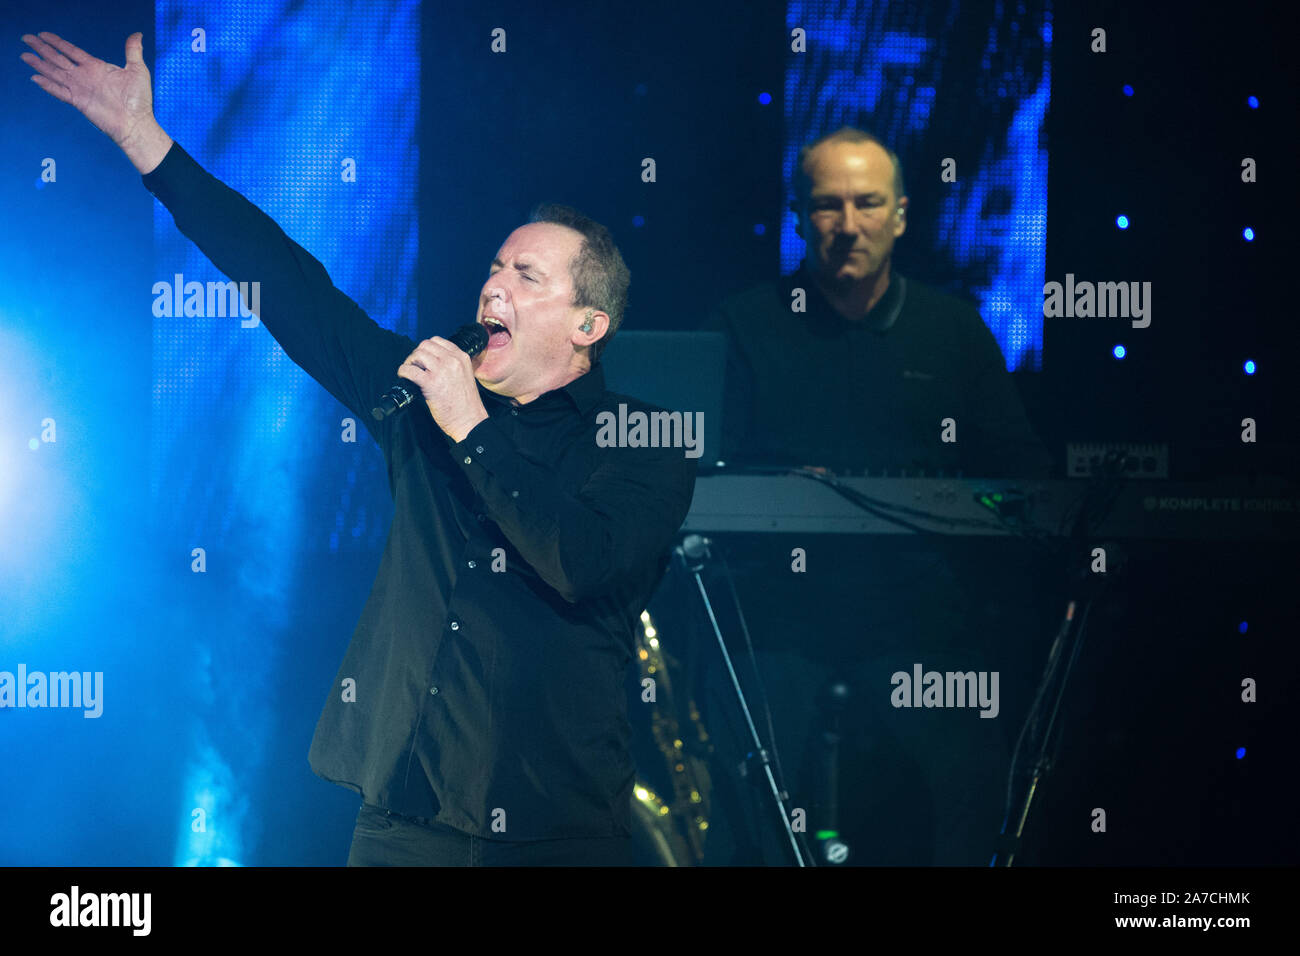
585	542
320	328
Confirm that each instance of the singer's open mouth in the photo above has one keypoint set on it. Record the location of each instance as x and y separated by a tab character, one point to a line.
498	334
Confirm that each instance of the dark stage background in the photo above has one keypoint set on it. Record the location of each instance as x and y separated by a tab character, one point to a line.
175	434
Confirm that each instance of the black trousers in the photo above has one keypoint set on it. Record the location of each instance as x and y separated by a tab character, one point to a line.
383	838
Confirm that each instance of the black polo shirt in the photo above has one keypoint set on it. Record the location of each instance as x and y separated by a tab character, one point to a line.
814	388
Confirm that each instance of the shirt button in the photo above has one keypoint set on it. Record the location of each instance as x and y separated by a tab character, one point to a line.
514	494
455	625
481	517
479	449
472	564
467	459
514	411
433	690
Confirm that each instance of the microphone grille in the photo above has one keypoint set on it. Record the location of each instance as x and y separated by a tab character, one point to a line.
470	339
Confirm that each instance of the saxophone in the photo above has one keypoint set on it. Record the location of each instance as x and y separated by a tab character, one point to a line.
676	825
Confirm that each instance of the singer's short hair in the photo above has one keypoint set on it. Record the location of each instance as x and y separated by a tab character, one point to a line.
845	134
600	276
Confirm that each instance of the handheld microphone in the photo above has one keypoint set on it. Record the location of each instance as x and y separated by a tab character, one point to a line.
470	339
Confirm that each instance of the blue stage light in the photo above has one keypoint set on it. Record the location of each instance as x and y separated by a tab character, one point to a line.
765	98
1242	627
638	221
759	229
1128	90
1253	102
1249	367
1241	753
1121	221
1120	351
1248	234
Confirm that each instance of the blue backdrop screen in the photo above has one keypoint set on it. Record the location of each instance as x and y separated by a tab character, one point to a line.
314	121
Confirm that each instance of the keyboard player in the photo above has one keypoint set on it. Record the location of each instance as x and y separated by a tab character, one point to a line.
874	373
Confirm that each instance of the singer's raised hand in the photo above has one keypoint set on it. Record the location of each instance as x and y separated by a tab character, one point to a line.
118	100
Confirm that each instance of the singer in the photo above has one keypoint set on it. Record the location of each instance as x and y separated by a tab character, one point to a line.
480	709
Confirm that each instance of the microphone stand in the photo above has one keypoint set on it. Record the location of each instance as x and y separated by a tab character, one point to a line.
692	555
1008	845
1065	649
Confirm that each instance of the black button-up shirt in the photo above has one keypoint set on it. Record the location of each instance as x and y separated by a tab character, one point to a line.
484	685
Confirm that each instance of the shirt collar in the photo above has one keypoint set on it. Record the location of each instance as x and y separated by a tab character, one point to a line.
585	391
879	318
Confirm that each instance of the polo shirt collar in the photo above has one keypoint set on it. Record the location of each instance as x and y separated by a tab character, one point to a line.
882	315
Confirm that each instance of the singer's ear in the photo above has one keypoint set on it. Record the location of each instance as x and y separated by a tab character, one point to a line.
591	328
